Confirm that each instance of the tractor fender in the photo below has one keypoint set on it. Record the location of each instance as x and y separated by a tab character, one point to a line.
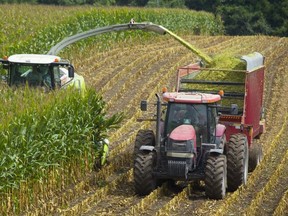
216	151
147	148
220	132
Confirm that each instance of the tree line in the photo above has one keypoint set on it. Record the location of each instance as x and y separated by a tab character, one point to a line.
248	17
240	17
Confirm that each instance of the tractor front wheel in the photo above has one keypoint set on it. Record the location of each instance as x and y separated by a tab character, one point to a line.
255	156
237	161
143	137
216	176
144	182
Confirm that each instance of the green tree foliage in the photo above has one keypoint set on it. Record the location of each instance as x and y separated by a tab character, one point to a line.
206	5
239	21
66	2
248	17
104	2
277	17
123	2
166	3
139	3
18	1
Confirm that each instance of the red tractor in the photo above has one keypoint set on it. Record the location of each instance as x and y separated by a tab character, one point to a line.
200	136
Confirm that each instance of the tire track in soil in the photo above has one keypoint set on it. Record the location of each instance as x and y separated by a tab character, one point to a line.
275	189
250	192
160	201
116	200
122	200
282	207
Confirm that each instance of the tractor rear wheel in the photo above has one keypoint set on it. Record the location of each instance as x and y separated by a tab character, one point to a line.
216	176
255	156
237	161
143	137
144	182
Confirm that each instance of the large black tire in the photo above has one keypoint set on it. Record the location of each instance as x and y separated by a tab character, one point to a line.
255	156
237	161
216	176
144	182
143	137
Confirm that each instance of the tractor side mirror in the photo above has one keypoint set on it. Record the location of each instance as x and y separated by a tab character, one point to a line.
143	105
5	63
217	119
5	66
70	72
234	109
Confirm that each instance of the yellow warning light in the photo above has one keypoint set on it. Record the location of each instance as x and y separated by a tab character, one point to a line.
5	57
221	93
56	60
164	89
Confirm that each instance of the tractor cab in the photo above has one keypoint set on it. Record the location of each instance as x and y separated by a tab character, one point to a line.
36	70
194	112
195	118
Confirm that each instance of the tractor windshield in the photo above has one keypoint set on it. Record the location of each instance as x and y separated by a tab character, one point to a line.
194	114
35	75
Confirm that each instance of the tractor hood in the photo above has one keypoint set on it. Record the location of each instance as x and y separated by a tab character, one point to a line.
183	133
182	143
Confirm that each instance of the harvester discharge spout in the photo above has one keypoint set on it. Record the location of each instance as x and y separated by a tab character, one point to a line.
144	26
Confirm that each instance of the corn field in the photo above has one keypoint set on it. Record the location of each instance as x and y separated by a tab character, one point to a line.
123	69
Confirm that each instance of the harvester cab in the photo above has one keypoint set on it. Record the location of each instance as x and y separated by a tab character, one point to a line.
47	71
